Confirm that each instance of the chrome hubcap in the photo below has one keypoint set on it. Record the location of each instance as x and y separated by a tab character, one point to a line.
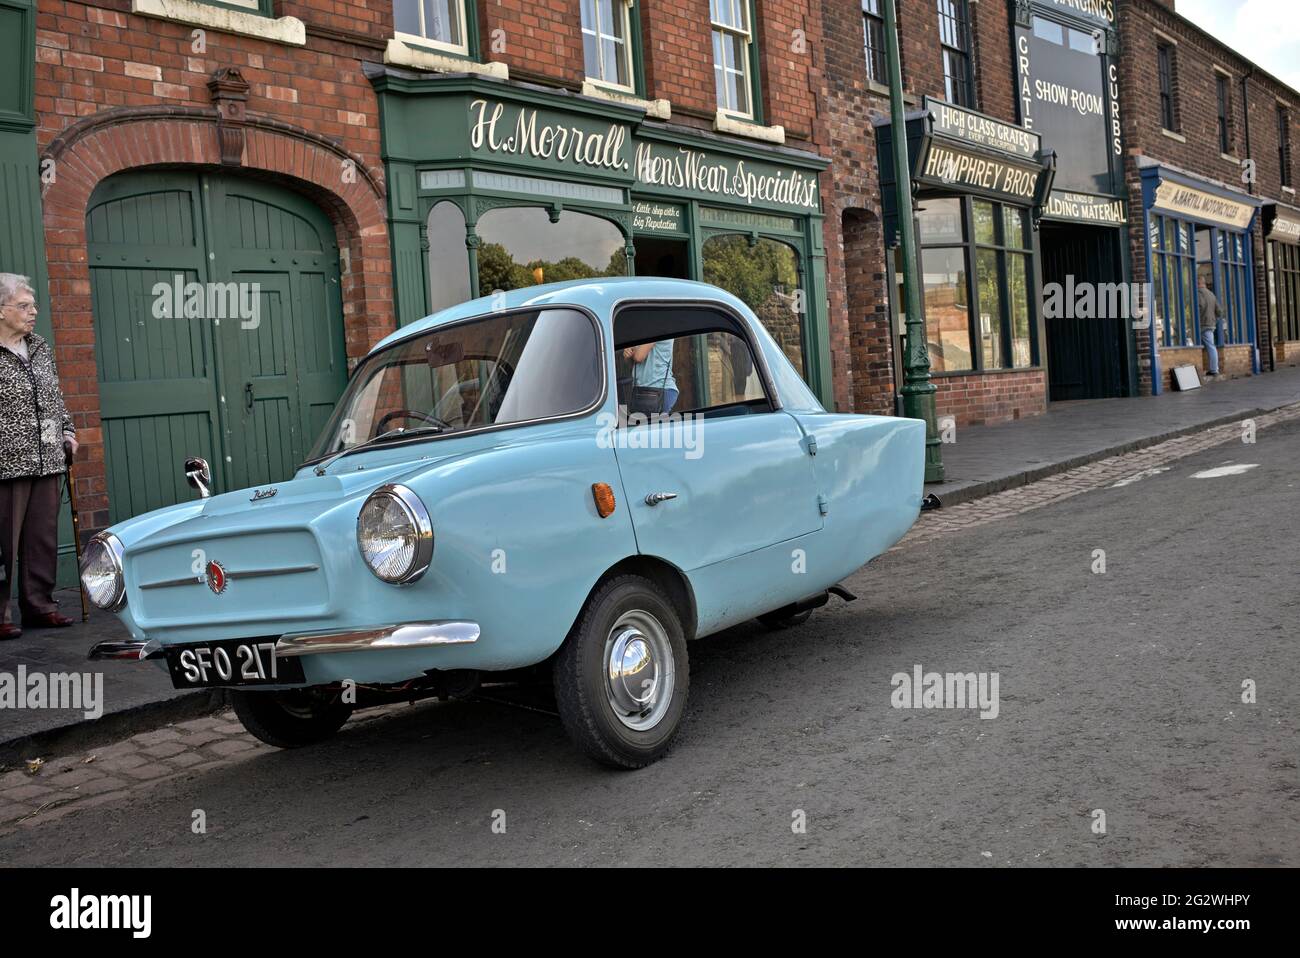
638	670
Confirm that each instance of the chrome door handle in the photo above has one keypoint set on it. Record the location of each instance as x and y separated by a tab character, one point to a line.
657	497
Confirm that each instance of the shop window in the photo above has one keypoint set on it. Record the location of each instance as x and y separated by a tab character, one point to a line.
1284	288
954	38
1173	259
1002	276
765	274
439	24
1165	68
448	257
940	222
1233	289
522	246
873	40
733	67
609	42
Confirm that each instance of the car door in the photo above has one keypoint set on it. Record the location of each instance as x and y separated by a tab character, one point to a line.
723	473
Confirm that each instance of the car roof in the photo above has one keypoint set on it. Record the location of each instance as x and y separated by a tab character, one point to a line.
599	295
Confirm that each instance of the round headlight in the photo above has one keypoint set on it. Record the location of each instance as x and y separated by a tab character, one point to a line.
101	572
394	534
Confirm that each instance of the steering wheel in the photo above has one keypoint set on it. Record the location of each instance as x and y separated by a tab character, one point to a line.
382	426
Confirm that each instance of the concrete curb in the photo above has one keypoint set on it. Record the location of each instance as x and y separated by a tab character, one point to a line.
987	487
88	734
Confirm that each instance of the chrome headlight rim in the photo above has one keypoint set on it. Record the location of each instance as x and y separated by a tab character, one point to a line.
418	515
117	553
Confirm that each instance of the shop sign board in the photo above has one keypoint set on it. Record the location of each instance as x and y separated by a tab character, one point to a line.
1188	201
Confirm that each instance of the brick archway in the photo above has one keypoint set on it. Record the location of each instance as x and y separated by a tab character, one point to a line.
115	141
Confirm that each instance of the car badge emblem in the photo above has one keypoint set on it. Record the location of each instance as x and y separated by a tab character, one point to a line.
263	494
216	577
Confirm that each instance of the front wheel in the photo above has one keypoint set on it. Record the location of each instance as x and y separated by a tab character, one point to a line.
291	719
622	675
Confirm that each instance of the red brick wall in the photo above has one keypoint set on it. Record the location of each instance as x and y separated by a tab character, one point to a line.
542	39
856	265
991	397
678	50
116	91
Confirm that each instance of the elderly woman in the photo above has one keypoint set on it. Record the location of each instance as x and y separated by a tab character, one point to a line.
34	426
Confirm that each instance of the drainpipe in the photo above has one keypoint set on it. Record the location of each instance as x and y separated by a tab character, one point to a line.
1250	188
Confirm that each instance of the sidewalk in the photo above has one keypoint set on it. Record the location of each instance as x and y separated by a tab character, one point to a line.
135	694
983	460
988	459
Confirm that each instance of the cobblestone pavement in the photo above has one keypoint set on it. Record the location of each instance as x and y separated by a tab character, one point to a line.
105	775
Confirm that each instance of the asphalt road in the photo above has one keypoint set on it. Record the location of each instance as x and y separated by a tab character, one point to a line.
1118	692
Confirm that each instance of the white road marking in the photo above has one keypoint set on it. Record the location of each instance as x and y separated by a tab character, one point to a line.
1144	474
1226	471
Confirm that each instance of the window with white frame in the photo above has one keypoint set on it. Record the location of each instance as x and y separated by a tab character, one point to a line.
606	41
435	23
731	68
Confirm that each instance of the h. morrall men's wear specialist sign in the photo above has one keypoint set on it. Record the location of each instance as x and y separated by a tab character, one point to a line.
574	145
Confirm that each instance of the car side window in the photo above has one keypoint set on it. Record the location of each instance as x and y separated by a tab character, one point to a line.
684	361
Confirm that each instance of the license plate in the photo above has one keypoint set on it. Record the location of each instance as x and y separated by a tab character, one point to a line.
231	662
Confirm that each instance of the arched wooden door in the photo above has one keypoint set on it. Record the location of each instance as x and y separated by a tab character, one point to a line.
218	331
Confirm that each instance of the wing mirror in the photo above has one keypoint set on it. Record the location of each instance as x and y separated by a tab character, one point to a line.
199	475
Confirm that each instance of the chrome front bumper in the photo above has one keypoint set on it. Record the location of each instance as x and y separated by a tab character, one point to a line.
408	635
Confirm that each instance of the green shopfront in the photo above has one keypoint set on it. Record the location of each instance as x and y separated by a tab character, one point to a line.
496	186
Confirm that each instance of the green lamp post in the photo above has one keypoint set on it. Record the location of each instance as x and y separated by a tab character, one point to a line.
918	391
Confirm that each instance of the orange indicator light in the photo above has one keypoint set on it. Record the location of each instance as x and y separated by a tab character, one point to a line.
604	496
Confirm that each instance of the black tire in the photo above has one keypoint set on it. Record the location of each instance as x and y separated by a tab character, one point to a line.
581	689
778	620
291	719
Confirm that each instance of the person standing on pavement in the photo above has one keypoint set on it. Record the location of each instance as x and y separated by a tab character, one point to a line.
34	427
1211	312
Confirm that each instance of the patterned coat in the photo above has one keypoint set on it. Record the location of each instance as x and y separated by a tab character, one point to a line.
33	418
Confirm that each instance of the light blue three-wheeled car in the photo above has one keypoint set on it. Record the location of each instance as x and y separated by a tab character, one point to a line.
581	476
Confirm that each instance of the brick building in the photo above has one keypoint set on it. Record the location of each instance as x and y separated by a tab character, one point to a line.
1209	141
362	165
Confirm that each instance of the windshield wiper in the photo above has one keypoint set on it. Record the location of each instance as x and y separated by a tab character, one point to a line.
399	431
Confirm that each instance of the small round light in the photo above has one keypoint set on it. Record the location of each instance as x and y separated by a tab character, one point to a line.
101	572
394	534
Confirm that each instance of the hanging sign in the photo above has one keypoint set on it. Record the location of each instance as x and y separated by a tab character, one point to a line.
979	130
949	165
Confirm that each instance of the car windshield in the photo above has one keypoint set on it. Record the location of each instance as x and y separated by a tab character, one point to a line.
501	369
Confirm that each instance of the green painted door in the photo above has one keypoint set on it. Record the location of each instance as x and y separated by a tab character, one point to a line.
240	361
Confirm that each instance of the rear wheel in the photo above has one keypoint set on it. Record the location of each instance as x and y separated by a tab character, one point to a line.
291	719
622	675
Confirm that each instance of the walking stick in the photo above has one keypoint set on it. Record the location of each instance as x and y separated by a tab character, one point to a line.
76	530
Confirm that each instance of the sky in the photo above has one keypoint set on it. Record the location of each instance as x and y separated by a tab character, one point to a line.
1266	32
